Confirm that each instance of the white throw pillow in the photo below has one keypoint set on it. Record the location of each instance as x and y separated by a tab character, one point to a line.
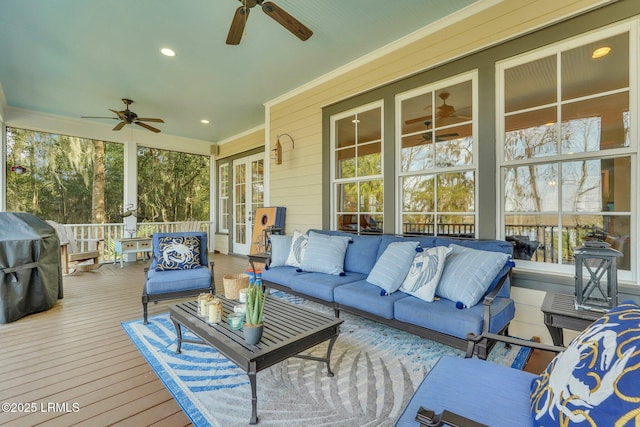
424	274
298	246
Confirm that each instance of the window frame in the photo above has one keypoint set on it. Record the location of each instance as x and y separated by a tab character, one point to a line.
557	49
433	87
223	226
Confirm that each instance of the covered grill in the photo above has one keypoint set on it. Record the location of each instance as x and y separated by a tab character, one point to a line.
30	268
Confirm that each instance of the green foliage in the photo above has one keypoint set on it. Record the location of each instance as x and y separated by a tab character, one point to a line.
256	298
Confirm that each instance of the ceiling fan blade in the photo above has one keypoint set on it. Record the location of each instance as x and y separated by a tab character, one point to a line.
286	20
98	117
237	25
146	126
119	126
149	120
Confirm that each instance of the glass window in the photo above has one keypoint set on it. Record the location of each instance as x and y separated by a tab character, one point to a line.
437	160
223	198
63	178
357	161
567	157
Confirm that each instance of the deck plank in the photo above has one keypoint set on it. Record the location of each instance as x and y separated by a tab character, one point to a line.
77	352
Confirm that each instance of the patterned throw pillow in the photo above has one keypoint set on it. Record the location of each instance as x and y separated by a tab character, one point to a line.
424	274
178	253
392	266
594	382
298	246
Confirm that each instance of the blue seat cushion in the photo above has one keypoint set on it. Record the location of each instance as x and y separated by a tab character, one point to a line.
160	282
443	316
486	392
320	285
282	275
364	296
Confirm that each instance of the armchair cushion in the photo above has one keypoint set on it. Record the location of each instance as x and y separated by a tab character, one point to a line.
595	380
160	282
178	253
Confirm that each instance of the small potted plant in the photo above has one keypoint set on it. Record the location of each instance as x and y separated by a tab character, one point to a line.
254	314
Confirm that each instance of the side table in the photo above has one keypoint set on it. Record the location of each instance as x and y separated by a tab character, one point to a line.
129	246
560	312
261	258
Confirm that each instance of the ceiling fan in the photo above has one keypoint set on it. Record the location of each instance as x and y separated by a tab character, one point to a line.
427	137
271	9
128	117
445	111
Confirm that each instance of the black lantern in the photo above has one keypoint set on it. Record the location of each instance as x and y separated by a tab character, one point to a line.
596	276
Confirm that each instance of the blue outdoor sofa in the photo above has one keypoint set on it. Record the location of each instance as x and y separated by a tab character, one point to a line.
445	320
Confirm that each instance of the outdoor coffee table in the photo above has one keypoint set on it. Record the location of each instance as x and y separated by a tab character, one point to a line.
288	330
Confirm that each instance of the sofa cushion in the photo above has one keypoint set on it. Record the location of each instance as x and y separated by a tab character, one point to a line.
442	315
392	267
282	275
280	248
361	254
298	246
486	392
468	273
364	296
321	285
159	282
424	274
595	380
325	254
178	253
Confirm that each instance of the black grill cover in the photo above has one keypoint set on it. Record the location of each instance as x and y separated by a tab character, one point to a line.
30	268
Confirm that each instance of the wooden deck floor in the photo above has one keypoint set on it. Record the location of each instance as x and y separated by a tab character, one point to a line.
75	365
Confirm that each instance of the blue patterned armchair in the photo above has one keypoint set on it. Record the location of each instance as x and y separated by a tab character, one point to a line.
179	268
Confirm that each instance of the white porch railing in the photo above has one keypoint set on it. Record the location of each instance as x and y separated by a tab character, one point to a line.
109	233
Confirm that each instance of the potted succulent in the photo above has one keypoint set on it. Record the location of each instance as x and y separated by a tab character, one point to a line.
254	314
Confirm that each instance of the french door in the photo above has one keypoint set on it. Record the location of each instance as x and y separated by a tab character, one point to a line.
248	194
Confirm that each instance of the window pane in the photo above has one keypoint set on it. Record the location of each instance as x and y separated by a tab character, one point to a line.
454	149
369	125
347	197
595	124
371	196
531	188
346	132
530	135
583	75
531	85
371	224
417	152
534	237
456	192
346	163
597	185
454	104
417	192
417	113
369	159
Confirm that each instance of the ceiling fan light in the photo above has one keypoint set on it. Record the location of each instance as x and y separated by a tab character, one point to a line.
168	52
204	121
600	52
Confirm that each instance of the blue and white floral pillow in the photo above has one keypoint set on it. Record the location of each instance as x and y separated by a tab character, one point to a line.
178	253
596	380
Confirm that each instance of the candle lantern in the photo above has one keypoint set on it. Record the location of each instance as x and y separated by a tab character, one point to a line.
596	276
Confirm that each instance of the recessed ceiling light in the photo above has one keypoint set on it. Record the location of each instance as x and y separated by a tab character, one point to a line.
600	52
204	121
167	52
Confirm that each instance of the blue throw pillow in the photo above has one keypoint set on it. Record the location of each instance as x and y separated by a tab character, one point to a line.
468	273
594	382
392	266
178	253
424	273
325	253
280	248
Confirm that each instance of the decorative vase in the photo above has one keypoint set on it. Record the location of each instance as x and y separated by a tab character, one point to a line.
252	333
